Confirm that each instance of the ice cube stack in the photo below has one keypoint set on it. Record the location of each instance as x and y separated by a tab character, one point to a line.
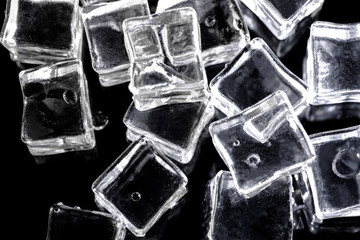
275	178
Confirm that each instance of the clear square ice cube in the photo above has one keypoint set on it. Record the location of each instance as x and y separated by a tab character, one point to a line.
223	29
40	31
334	175
56	113
331	65
175	129
262	143
253	75
103	26
280	23
73	223
140	186
164	50
266	216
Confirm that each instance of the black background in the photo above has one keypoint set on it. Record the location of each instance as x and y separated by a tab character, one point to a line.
29	185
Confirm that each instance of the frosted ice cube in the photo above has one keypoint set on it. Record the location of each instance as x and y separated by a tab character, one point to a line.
56	114
164	50
40	31
103	26
73	223
175	129
263	143
253	75
266	216
280	23
140	186
331	65
223	30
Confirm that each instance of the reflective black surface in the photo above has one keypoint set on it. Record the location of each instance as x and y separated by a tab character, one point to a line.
31	185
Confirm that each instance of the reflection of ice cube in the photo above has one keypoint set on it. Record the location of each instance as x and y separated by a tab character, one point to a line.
266	216
140	186
280	23
40	31
68	223
223	30
103	26
253	75
164	50
175	128
56	115
331	66
262	143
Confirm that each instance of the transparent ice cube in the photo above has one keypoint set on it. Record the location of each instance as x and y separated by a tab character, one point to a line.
73	223
263	143
41	31
266	216
223	30
331	65
164	50
175	129
334	176
253	75
140	186
56	113
103	26
349	224
280	23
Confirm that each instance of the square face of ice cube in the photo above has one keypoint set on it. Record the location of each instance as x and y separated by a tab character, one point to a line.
56	112
332	70
164	50
266	216
140	186
253	75
334	175
40	31
103	25
262	143
223	30
68	223
175	129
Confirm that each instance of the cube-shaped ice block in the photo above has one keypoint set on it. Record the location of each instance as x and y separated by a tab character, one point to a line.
140	186
164	50
41	31
73	223
349	224
331	65
103	26
223	30
175	129
253	75
266	216
56	113
280	23
263	143
334	176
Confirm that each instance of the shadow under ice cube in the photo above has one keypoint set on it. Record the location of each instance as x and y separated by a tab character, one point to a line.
266	216
331	186
164	50
263	143
103	26
253	75
331	65
41	31
223	29
140	186
68	223
175	128
56	114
